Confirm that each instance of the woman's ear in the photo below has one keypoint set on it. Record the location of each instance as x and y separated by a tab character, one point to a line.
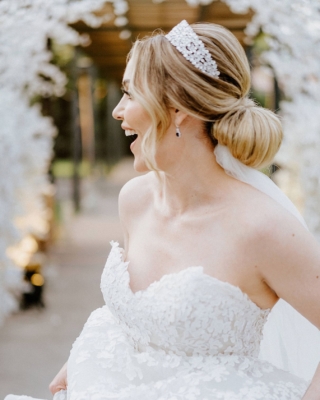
179	117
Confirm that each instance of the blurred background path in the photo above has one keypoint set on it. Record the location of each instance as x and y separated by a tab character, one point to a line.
34	344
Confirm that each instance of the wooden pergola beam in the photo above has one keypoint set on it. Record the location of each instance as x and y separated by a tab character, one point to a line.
109	51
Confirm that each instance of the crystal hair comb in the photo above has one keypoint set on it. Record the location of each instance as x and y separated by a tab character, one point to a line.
187	42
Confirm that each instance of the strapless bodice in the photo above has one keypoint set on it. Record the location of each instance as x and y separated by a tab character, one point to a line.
186	313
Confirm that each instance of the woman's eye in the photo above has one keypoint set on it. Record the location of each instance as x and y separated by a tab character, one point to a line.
126	93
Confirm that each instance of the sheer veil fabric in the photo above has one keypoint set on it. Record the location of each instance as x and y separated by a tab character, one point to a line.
290	341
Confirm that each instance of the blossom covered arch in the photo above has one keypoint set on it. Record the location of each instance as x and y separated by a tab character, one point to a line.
293	28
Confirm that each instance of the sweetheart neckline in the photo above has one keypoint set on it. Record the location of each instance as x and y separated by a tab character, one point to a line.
120	250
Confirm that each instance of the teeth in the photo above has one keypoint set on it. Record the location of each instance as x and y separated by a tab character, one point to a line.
129	133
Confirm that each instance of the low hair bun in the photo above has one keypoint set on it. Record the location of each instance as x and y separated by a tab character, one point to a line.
253	134
245	102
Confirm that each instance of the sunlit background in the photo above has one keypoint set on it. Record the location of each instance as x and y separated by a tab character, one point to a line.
63	158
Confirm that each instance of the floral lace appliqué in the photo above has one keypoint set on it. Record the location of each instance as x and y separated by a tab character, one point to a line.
187	336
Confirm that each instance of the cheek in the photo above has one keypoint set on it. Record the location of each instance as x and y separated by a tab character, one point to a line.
137	117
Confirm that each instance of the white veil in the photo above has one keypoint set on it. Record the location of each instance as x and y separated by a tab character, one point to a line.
290	341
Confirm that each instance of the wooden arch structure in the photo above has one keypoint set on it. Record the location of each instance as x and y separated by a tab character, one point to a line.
109	51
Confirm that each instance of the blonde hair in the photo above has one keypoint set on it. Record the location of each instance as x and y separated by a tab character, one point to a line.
163	78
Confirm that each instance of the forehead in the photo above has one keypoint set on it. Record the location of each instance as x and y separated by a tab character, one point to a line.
128	73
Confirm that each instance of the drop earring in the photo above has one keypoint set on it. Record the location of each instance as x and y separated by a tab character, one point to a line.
178	133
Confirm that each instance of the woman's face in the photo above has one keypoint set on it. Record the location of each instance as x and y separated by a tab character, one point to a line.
135	120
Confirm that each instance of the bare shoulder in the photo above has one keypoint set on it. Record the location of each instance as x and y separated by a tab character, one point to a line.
272	236
279	238
285	254
136	195
265	219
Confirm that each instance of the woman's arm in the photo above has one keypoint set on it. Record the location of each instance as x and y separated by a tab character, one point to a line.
288	260
60	381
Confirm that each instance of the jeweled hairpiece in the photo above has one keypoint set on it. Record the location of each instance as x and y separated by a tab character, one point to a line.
185	40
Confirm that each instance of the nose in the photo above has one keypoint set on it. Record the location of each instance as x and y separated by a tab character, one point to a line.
117	113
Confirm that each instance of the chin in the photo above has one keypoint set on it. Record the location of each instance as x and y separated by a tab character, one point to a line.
140	166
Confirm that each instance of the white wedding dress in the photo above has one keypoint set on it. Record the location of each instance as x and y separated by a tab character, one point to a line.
187	336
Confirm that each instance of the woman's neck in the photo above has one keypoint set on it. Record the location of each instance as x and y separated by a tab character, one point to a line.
194	181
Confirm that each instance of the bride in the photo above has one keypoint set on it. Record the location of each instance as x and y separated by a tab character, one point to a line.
211	244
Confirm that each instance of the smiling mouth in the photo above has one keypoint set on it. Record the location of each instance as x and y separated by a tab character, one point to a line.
133	136
129	132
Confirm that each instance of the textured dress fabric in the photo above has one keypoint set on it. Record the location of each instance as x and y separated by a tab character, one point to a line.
188	336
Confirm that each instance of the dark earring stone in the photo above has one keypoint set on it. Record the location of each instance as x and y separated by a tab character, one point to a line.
178	133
